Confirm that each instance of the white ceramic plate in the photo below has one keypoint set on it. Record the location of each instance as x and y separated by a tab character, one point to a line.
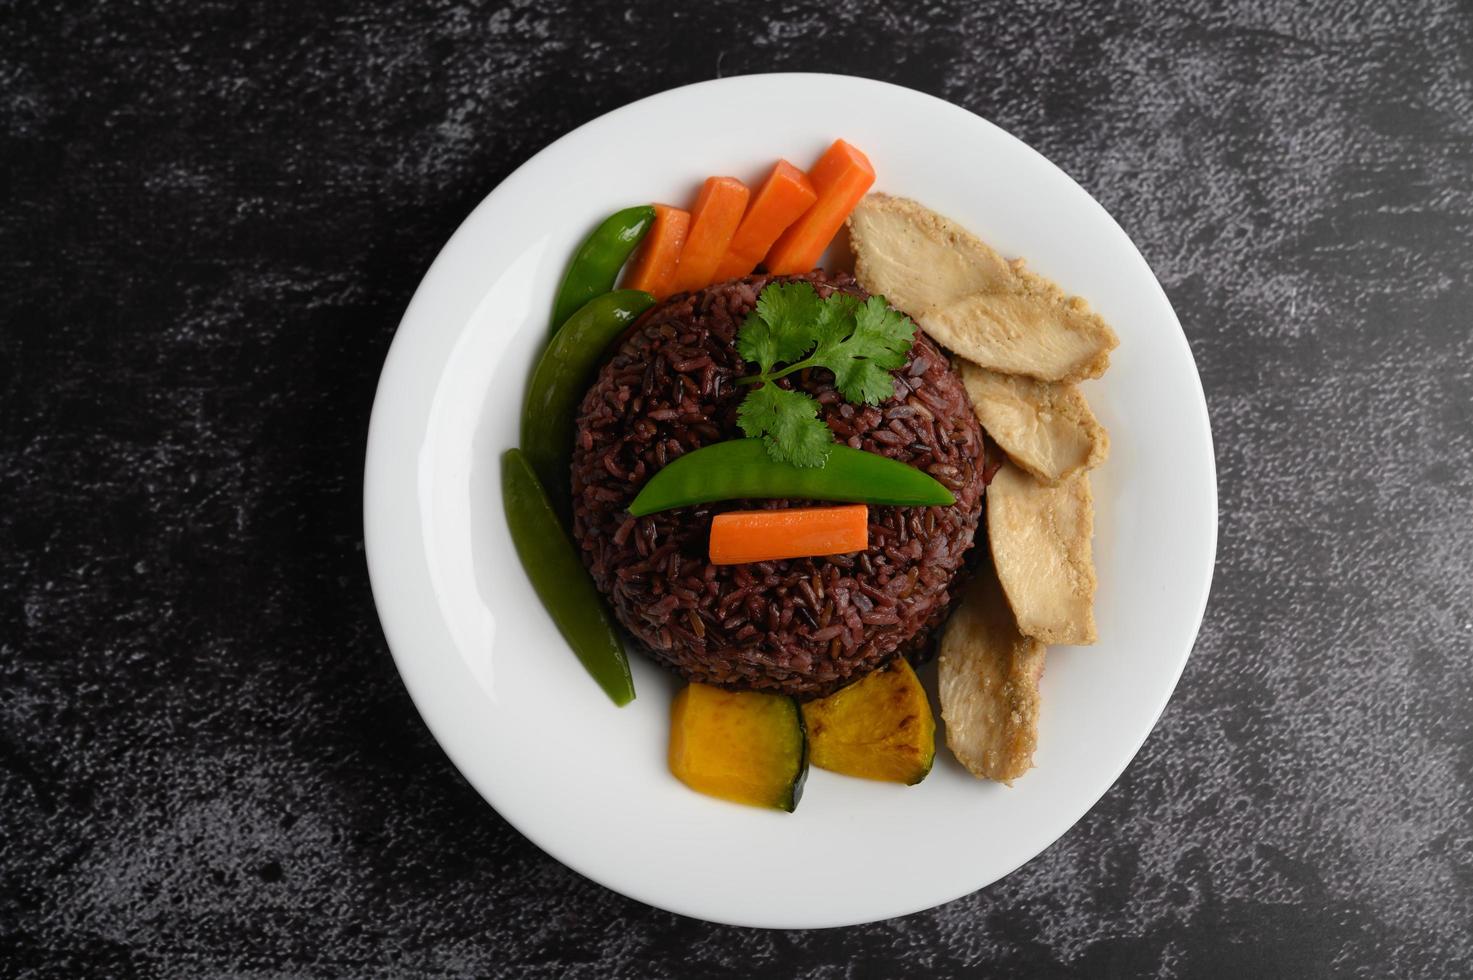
498	687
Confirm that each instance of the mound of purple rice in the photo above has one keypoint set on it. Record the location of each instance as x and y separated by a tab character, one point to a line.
804	627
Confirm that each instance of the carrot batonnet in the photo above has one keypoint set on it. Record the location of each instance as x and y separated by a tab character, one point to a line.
783	197
744	536
841	176
713	220
659	256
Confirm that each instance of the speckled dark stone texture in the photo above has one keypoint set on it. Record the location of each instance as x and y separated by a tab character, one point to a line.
214	214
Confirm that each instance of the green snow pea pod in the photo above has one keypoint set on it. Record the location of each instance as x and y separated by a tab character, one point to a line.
561	581
598	260
562	376
740	469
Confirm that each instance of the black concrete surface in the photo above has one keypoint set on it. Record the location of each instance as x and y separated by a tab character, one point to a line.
212	217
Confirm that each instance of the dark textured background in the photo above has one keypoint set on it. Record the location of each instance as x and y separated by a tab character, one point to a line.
214	214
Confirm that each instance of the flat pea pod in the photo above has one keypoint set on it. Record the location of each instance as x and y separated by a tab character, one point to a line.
562	376
740	469
598	260
561	581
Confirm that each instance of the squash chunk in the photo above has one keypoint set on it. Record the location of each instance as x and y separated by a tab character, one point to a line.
739	745
880	727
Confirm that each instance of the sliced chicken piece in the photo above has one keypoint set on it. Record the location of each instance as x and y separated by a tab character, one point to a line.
966	296
1016	334
1040	539
917	258
988	679
1044	427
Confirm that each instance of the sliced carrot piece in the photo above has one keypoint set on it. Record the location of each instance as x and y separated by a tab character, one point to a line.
841	176
713	220
659	256
733	266
743	536
783	197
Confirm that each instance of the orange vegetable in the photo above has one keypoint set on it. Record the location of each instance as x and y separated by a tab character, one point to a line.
841	176
743	536
742	746
783	197
713	221
654	267
880	727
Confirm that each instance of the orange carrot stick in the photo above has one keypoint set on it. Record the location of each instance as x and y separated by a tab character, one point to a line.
841	176
783	197
743	536
713	220
654	267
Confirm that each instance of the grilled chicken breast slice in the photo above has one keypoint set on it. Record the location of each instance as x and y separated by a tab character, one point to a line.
988	679
1041	544
970	299
1045	427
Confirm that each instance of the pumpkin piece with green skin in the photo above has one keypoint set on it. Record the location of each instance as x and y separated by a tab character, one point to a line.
879	727
741	746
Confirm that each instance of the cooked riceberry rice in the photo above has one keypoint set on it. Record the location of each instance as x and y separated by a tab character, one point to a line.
803	626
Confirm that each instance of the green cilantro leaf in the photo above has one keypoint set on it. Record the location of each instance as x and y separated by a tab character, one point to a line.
789	307
775	333
861	343
757	341
862	362
837	319
788	424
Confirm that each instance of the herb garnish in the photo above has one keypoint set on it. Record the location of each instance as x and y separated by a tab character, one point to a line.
861	343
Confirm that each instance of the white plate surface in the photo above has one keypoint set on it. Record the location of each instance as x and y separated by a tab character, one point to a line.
511	706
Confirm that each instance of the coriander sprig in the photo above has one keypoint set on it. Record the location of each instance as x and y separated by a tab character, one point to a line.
861	343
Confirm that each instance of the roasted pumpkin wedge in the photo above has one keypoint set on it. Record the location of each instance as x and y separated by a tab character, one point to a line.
880	727
739	745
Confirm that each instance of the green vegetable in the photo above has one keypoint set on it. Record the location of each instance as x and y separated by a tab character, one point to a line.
562	376
598	260
561	581
741	470
861	343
